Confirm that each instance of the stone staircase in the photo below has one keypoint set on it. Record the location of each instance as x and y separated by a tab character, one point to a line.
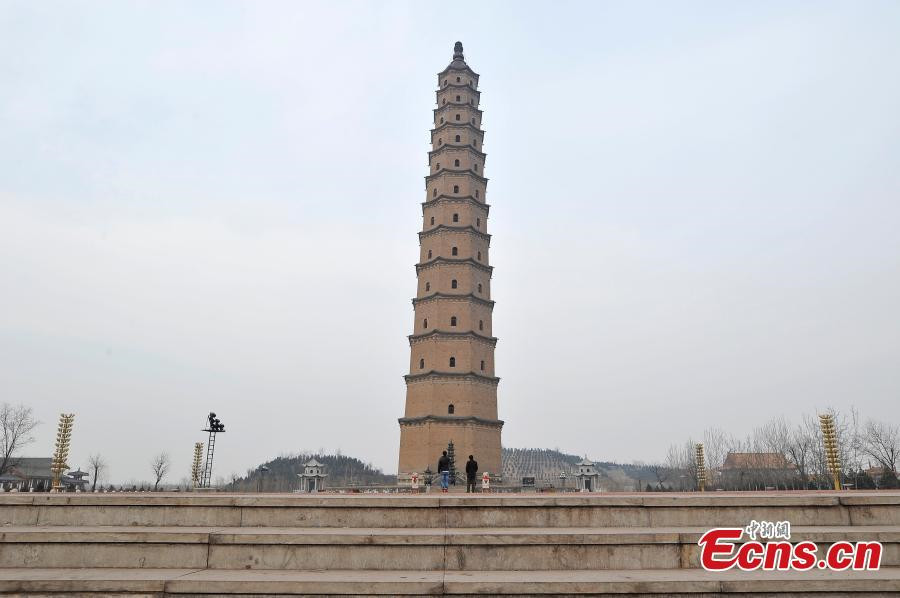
171	544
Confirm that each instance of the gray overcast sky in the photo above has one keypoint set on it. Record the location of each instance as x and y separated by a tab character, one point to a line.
214	206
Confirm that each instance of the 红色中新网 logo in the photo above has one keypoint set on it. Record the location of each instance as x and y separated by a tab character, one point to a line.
724	548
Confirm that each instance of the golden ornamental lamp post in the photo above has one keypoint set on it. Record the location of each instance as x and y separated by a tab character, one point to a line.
832	455
701	467
61	454
198	460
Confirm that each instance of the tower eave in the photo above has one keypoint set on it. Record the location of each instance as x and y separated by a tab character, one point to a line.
466	125
467	148
490	340
457	105
462	171
459	66
453	85
454	229
446	260
433	374
450	419
446	297
453	199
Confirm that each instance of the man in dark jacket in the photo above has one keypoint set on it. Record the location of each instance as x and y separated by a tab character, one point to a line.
444	470
471	471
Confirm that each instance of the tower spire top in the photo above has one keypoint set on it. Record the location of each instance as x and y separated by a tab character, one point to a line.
458	51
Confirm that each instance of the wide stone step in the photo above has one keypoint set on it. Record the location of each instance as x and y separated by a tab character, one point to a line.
452	549
436	511
655	582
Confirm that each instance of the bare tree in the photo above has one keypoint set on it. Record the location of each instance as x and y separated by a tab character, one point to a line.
16	425
716	444
800	446
883	444
856	447
680	461
98	466
160	465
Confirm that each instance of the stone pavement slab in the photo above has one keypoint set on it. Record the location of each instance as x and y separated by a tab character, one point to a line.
662	582
87	580
436	535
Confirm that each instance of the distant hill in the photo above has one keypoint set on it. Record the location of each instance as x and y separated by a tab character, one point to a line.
546	465
542	464
341	469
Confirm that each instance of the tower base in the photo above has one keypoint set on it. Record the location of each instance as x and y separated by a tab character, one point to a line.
423	439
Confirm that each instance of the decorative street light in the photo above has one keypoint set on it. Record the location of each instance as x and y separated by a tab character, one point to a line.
263	470
701	467
832	455
196	466
63	438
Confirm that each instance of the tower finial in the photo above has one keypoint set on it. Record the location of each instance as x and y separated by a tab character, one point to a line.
458	51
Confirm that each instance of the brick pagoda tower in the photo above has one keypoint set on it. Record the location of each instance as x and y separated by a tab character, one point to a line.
451	390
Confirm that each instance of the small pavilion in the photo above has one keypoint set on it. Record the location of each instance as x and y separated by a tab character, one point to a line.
587	477
313	477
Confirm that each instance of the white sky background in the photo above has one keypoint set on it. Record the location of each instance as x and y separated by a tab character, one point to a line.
214	206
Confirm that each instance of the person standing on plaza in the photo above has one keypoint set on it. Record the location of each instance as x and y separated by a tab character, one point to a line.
444	470
471	471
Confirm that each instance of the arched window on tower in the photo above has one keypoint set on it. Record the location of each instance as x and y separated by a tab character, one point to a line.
453	284
453	362
457	138
456	218
434	192
425	323
440	141
432	220
450	409
473	120
476	167
429	254
421	364
454	251
442	120
456	188
456	162
478	222
453	320
479	287
457	79
475	142
457	117
427	286
445	101
480	324
445	82
479	256
476	193
482	365
457	98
